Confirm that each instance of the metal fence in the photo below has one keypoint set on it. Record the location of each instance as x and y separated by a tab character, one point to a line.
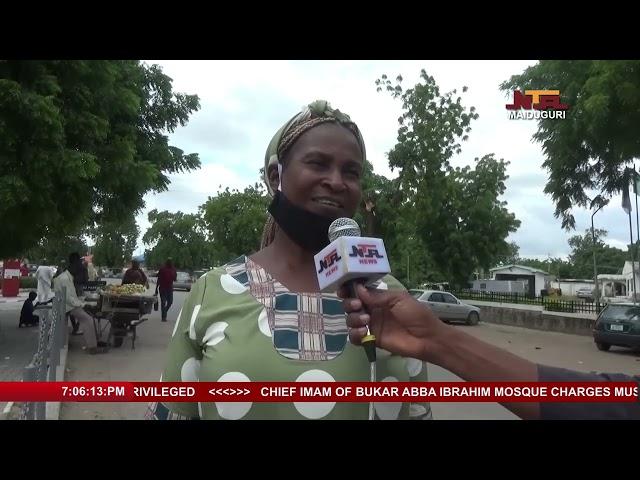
51	341
548	303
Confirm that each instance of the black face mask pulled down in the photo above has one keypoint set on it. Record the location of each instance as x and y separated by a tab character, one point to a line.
307	229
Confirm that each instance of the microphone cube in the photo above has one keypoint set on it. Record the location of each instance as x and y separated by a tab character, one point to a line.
349	258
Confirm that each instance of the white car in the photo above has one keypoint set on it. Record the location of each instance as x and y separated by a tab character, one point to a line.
447	307
585	293
184	281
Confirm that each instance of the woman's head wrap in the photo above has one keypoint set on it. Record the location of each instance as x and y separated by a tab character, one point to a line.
314	114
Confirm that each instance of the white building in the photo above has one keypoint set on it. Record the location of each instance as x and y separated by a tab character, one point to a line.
536	279
570	286
620	286
627	273
508	286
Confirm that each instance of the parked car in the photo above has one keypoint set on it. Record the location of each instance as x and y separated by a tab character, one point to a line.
184	280
443	286
618	324
447	307
152	276
199	273
585	293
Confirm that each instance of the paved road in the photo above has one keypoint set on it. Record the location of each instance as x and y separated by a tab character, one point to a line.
556	349
17	345
145	363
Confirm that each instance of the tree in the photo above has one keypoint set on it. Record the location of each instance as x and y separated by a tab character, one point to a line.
454	212
592	148
511	255
81	143
234	221
608	259
51	250
555	267
115	242
179	236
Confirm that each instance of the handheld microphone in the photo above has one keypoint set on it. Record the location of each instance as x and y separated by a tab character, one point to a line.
351	259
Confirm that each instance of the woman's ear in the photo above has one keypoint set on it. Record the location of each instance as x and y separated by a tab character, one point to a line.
274	178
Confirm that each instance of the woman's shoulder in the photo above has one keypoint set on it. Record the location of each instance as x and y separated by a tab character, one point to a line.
230	277
389	282
230	267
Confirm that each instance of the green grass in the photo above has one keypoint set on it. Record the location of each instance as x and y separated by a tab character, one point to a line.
28	282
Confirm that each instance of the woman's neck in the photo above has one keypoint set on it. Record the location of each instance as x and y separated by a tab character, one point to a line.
288	263
289	251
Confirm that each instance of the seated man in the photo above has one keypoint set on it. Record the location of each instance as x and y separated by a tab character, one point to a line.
75	306
135	275
27	318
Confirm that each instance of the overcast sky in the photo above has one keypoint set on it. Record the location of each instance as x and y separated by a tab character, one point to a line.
243	103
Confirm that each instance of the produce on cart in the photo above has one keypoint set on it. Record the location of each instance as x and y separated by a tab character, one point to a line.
124	307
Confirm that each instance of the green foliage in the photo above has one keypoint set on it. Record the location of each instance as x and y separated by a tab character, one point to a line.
81	143
51	250
510	257
178	236
28	282
609	259
449	219
234	222
591	149
115	242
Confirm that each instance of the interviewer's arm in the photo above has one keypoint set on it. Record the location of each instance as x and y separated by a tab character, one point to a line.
404	326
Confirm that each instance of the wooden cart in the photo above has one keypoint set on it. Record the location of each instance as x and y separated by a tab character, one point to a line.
122	314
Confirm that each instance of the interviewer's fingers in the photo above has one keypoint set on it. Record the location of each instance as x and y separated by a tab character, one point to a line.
343	292
351	305
356	335
358	320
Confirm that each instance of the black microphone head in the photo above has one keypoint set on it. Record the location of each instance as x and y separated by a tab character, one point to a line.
343	227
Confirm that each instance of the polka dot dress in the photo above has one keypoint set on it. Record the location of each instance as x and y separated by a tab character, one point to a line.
240	325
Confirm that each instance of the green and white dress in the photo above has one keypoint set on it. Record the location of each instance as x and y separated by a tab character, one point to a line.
241	325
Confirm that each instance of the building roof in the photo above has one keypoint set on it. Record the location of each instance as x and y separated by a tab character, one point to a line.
523	267
575	280
610	276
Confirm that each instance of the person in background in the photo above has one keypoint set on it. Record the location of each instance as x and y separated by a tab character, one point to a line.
75	326
82	276
62	266
44	276
27	318
135	275
166	276
92	272
75	306
80	279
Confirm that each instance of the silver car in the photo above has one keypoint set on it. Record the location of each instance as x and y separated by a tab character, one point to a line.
184	280
447	307
585	293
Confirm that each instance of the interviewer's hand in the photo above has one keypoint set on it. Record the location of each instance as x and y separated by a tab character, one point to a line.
401	324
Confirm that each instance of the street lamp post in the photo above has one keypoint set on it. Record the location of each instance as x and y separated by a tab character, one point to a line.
595	267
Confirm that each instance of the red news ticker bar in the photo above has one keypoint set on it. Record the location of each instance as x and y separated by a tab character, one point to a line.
319	391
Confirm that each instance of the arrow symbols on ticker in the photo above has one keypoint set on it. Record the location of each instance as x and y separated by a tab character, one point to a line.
229	391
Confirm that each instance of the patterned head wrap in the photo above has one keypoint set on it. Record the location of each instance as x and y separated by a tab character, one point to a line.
312	115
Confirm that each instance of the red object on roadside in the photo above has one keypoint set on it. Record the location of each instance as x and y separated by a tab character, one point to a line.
11	278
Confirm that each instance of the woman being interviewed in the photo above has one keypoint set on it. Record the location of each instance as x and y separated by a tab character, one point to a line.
262	317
